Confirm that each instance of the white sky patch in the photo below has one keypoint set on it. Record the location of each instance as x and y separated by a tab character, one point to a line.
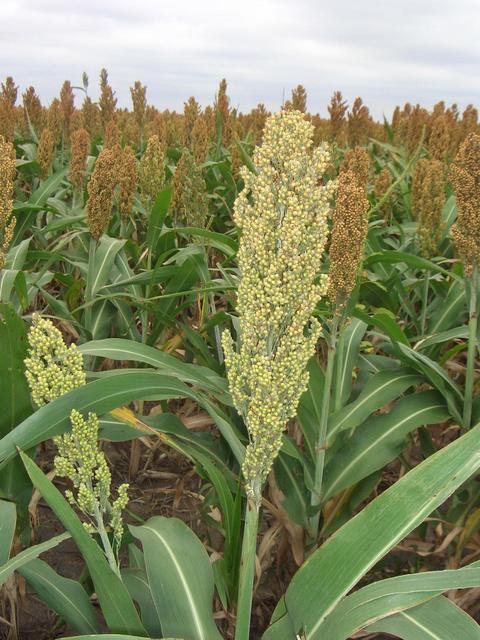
387	52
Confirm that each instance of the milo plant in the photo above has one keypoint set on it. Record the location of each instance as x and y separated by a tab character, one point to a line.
282	213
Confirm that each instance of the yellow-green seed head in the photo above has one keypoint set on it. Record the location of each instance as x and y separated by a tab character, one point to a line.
282	213
52	368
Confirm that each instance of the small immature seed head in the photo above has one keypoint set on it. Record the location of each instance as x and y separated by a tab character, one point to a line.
151	170
189	198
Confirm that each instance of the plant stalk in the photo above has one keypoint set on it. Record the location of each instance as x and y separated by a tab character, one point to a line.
423	322
472	349
247	566
321	444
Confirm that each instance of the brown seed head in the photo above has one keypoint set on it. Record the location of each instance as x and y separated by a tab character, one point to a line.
32	110
465	177
200	140
357	161
91	117
80	148
358	123
222	108
191	111
45	150
299	99
381	185
67	102
349	230
8	113
139	99
128	181
151	170
111	135
54	119
101	187
337	110
107	102
428	200
7	220
439	139
189	197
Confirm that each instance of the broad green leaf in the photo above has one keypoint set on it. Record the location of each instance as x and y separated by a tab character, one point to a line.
102	396
136	581
380	439
118	349
439	619
65	596
28	555
380	599
117	606
381	389
322	582
180	578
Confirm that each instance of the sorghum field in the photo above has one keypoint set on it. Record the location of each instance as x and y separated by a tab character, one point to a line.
239	370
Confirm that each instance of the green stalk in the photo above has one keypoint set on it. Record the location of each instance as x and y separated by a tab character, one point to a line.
472	348
247	566
90	277
338	369
107	547
426	283
321	444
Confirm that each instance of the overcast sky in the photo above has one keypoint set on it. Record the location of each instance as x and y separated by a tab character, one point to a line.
386	51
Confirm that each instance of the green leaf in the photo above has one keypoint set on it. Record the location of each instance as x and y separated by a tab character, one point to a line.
136	581
28	555
380	599
180	578
396	257
439	619
157	217
322	582
66	597
380	389
348	348
449	310
117	606
102	396
112	636
16	404
8	521
118	349
379	440
99	271
46	189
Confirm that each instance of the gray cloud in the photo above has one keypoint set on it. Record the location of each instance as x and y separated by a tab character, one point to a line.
386	51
